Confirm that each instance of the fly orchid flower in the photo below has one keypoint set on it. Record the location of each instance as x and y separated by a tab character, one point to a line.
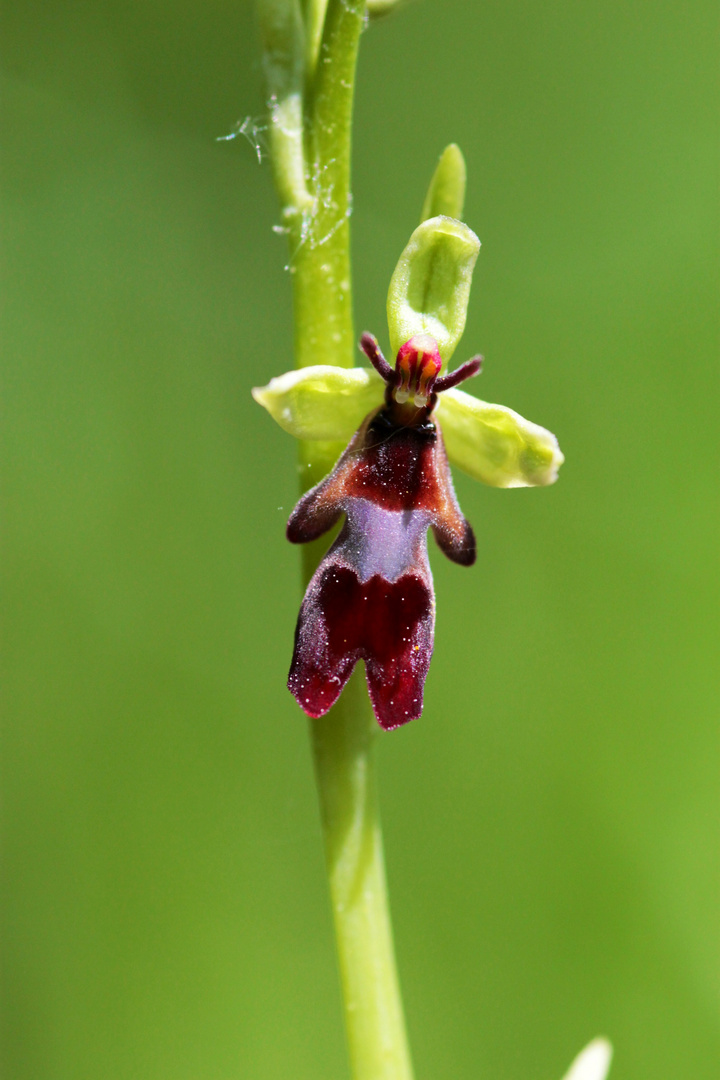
371	597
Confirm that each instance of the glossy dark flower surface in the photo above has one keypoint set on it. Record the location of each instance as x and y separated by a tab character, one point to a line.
372	597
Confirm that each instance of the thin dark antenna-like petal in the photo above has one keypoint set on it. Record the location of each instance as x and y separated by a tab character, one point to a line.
370	347
465	371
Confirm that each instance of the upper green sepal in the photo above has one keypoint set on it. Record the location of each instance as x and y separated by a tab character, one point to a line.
446	194
430	287
322	402
496	445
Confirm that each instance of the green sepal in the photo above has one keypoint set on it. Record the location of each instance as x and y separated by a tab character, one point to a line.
321	402
430	286
491	443
446	194
496	445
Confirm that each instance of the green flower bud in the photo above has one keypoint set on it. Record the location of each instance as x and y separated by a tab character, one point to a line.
322	402
446	194
496	445
430	287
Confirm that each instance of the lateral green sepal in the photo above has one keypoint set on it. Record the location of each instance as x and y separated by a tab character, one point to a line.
496	445
322	402
430	287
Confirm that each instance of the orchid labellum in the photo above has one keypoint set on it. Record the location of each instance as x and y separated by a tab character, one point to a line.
372	597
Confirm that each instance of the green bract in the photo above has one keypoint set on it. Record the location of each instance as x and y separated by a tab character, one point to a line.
495	444
430	287
489	442
446	194
321	402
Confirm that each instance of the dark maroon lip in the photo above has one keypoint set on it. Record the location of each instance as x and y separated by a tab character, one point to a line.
372	597
387	624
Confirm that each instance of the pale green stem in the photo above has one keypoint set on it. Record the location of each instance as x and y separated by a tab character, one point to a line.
311	159
283	35
320	248
314	21
344	765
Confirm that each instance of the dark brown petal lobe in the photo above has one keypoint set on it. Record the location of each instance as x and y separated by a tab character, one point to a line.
401	477
387	624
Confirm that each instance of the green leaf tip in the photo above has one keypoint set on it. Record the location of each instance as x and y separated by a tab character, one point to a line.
446	194
430	287
321	402
496	445
592	1063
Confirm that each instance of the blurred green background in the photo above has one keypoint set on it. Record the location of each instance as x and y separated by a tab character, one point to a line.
551	821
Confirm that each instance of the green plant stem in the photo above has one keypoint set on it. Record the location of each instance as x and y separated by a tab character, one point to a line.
311	111
320	239
344	766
